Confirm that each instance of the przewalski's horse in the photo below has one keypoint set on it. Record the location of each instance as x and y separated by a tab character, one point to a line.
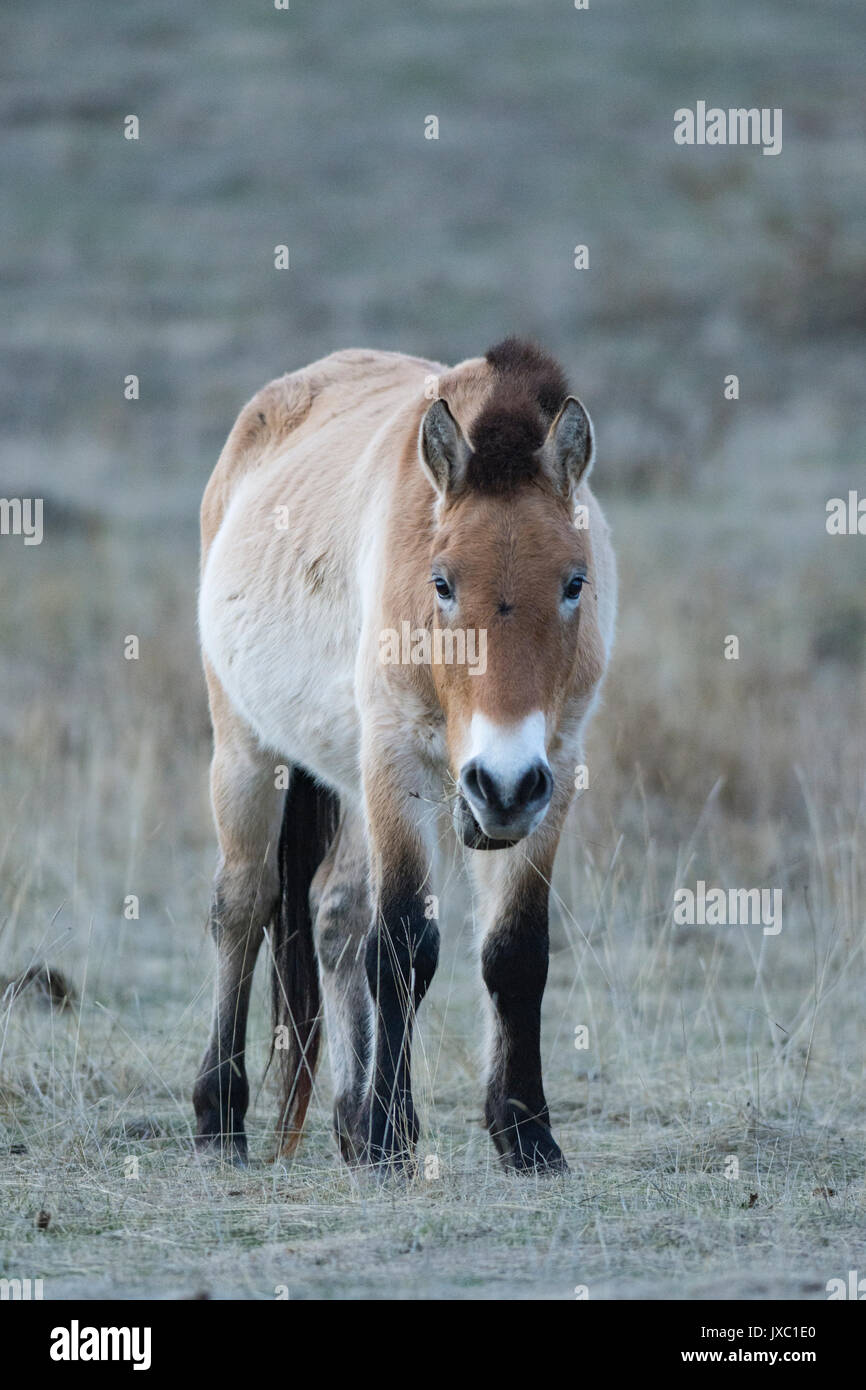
350	510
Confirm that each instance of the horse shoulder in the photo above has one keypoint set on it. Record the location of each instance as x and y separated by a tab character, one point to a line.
264	423
294	402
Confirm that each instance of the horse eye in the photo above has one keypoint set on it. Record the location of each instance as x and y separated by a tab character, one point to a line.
443	588
573	587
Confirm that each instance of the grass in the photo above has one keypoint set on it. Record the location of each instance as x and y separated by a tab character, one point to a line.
705	1044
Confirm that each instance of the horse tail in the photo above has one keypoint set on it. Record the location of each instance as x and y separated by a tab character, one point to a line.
310	815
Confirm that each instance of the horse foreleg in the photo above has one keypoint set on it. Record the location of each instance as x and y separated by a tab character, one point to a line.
514	961
340	898
246	809
400	958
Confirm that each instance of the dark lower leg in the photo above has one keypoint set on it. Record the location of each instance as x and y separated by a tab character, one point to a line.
401	955
221	1092
514	966
340	901
341	946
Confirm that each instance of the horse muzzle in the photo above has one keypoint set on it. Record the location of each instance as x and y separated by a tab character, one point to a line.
483	822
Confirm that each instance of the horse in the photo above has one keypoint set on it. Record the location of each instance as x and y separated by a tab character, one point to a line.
371	494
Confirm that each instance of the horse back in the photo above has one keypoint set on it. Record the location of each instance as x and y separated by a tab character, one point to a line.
290	408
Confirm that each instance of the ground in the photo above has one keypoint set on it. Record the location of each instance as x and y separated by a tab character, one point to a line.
714	1123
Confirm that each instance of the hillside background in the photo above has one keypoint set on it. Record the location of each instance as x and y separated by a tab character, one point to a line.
155	257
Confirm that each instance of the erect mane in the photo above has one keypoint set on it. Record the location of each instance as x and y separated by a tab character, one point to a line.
529	387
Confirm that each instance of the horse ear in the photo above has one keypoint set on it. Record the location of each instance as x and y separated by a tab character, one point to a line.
568	451
443	448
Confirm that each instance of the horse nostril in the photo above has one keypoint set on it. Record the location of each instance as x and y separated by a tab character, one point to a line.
478	783
487	787
533	788
536	784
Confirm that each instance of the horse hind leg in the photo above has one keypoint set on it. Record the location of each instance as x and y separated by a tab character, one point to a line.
247	808
342	908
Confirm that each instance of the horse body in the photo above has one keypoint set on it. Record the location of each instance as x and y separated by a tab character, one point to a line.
345	506
291	532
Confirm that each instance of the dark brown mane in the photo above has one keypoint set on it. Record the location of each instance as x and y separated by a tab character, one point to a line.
529	387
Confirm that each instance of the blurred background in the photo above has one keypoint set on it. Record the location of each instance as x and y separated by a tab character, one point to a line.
155	257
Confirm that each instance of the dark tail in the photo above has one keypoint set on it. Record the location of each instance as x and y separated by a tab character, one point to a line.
310	819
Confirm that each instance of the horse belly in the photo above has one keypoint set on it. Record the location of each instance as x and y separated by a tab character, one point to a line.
286	660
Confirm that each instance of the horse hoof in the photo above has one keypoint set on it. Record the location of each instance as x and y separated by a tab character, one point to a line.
527	1146
222	1148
